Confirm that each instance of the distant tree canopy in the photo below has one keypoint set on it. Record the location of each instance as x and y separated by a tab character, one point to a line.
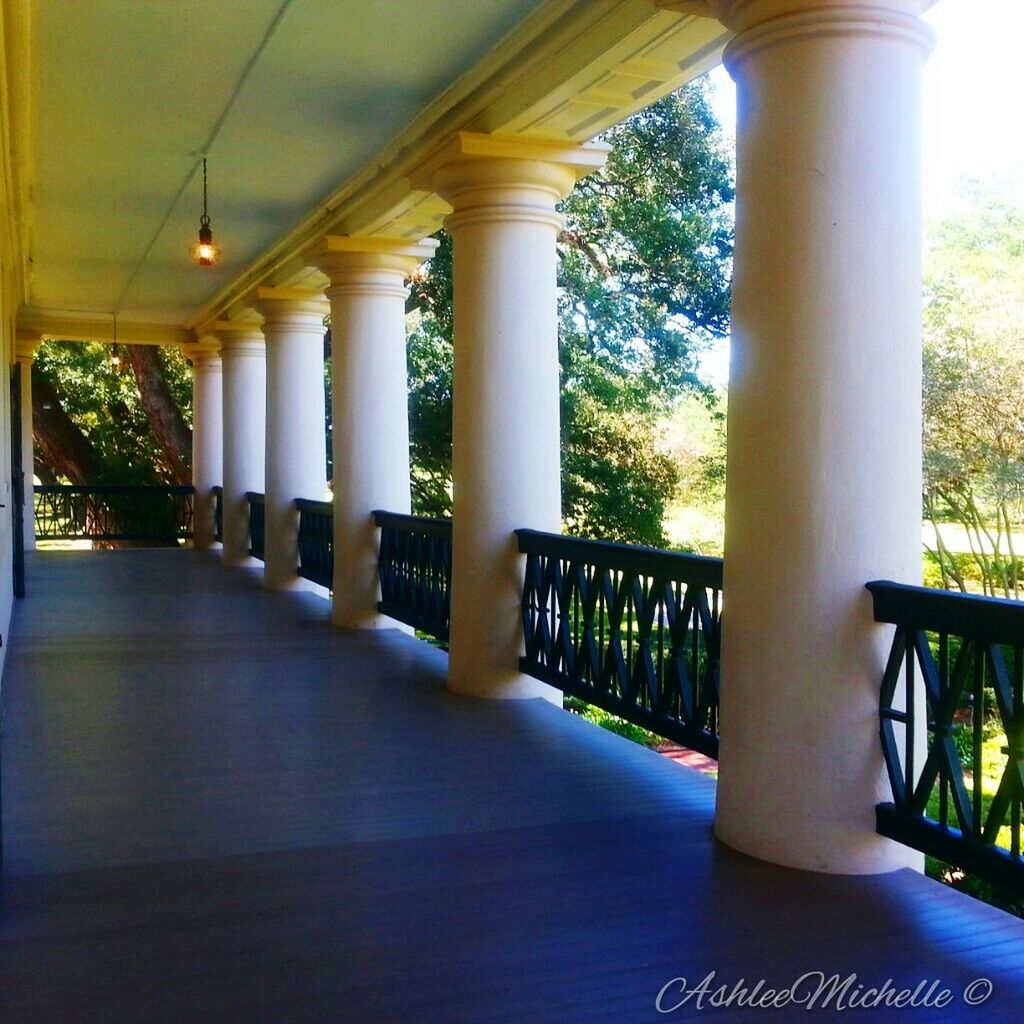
974	391
644	266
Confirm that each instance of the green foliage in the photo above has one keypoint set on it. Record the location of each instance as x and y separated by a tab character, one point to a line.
606	720
102	399
647	247
615	479
696	444
430	384
644	264
993	764
178	374
974	391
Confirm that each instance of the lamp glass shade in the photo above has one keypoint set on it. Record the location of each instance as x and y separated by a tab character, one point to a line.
205	251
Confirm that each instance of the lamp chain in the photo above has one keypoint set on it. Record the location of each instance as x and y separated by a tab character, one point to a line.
206	218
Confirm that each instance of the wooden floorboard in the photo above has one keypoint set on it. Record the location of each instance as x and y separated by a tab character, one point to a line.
219	808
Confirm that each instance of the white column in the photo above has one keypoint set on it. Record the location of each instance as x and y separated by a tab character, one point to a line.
25	354
506	459
296	455
245	392
370	407
824	464
207	439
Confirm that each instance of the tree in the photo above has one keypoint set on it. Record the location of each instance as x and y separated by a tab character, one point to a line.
644	263
61	449
94	416
974	391
162	408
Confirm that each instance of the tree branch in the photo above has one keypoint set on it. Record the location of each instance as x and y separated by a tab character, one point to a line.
61	447
162	412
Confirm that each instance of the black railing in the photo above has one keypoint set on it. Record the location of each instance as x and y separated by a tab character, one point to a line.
157	514
218	514
257	523
966	654
415	567
316	541
632	630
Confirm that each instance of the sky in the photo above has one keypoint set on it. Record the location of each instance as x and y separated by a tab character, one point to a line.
972	117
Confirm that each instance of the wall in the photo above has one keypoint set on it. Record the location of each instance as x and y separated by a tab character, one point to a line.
15	146
8	312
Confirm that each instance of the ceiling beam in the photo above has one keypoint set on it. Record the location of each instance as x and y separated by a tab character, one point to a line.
60	325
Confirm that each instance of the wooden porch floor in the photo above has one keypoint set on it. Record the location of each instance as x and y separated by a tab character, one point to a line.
219	808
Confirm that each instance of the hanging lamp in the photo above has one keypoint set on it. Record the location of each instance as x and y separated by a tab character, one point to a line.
114	358
205	251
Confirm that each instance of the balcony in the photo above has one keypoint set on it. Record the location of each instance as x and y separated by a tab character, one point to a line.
230	797
219	807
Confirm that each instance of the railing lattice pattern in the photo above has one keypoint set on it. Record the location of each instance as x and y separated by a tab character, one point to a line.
158	514
316	541
632	630
956	671
415	567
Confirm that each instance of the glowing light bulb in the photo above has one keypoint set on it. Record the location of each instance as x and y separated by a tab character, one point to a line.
205	252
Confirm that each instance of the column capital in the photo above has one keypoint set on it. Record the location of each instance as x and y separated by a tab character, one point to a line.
295	308
235	336
761	24
506	177
741	14
368	263
204	350
25	344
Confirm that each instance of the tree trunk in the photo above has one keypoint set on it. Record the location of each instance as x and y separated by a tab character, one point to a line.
165	419
60	446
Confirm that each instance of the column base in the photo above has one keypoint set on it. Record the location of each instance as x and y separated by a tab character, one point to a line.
298	584
834	851
348	620
284	583
514	686
248	562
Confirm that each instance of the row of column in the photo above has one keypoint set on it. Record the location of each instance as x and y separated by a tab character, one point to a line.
506	458
824	419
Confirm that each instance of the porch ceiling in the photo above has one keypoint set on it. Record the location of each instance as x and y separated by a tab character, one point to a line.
313	114
289	98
